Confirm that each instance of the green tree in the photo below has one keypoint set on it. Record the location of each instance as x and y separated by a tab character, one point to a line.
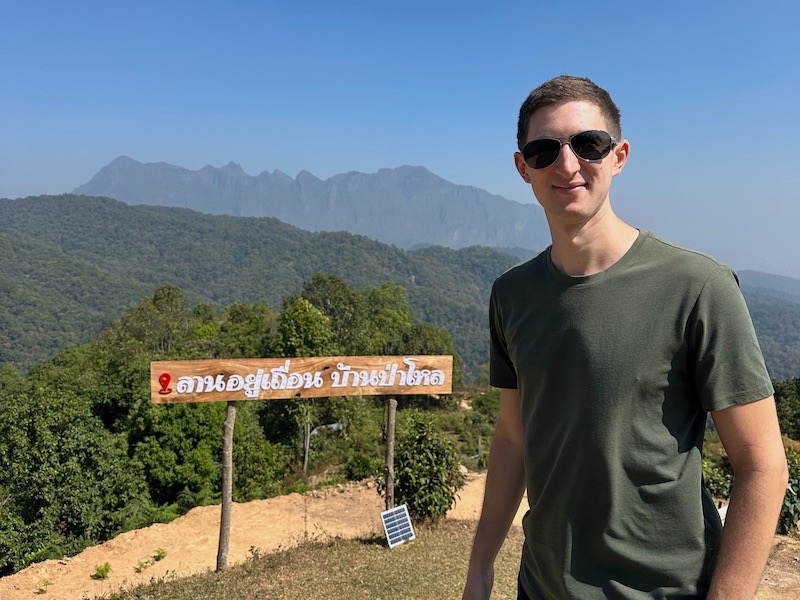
179	446
425	338
14	540
427	471
67	478
246	331
303	331
390	318
259	466
345	308
159	322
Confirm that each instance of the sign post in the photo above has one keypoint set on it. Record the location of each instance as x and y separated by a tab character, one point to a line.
227	487
391	405
234	380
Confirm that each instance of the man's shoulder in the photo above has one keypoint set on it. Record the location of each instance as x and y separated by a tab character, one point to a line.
526	270
675	259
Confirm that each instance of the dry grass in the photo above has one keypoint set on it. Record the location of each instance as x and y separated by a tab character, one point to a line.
431	567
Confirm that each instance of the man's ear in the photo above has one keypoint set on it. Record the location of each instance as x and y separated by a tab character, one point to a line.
621	152
522	168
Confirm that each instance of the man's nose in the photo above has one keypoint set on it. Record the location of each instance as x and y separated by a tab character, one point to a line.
567	160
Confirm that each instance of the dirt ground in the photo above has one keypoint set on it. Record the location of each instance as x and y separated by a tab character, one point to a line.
190	543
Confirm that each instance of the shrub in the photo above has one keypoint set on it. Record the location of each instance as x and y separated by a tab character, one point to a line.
360	466
790	513
427	473
488	404
717	480
101	571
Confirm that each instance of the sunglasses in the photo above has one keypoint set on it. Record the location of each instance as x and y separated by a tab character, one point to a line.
587	145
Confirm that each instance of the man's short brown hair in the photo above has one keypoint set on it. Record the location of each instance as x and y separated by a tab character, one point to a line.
563	89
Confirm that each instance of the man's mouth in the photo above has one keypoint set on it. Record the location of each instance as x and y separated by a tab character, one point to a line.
570	186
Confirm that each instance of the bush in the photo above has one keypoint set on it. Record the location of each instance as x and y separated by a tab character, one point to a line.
427	472
790	513
488	404
360	466
787	403
717	480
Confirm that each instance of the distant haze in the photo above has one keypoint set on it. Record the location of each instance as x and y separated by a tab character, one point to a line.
406	206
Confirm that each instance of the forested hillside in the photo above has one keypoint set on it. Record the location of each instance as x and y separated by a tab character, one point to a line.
72	264
79	261
777	320
774	303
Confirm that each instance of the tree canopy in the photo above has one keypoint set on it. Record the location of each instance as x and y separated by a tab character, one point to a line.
84	454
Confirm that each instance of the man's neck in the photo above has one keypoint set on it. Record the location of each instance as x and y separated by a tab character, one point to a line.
592	247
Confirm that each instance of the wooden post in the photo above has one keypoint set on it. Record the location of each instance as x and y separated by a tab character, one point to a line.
392	406
227	487
306	439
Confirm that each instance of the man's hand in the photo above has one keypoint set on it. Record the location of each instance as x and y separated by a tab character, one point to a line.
479	585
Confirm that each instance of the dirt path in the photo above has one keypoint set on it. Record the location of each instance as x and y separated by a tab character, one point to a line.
190	543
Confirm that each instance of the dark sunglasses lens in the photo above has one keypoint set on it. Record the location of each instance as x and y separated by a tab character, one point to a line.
591	145
542	153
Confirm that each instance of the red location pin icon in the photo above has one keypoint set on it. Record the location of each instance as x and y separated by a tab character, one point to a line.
164	380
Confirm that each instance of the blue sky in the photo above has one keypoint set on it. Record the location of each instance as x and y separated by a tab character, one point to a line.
709	93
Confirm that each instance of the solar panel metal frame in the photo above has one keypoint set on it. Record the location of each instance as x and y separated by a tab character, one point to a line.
397	525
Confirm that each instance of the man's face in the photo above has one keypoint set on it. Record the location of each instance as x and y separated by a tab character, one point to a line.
572	191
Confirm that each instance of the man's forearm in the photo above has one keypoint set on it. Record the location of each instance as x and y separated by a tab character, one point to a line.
505	482
752	439
748	534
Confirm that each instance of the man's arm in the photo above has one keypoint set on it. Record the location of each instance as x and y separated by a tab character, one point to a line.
505	482
752	440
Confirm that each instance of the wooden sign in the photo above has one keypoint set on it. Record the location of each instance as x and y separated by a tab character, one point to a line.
274	378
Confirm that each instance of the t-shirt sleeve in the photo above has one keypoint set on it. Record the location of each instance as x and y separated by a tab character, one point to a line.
502	373
729	366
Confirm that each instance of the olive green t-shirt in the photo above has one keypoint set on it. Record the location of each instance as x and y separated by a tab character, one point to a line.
616	372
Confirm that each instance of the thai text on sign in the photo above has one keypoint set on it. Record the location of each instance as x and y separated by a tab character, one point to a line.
276	378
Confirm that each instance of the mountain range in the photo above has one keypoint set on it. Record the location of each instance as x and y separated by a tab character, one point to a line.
406	206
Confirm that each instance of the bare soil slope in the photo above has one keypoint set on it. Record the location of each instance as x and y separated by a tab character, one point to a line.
190	543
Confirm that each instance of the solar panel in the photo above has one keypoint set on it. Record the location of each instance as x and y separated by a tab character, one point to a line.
397	525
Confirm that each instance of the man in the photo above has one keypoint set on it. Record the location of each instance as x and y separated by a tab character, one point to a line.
610	348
